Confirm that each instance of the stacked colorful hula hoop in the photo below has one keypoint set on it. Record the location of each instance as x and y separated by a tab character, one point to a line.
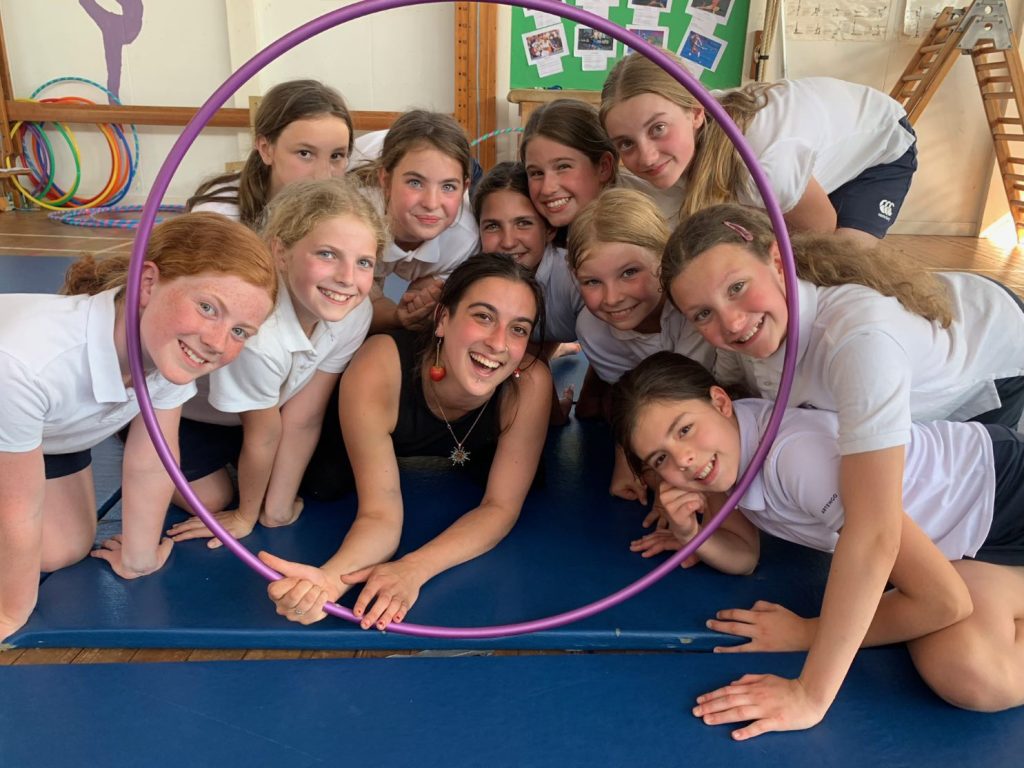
109	217
492	134
37	153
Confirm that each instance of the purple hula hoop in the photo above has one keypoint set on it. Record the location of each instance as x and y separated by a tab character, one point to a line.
366	8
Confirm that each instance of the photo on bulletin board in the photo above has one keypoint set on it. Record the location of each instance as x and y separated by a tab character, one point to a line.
702	50
664	5
591	41
719	9
555	53
656	36
545	44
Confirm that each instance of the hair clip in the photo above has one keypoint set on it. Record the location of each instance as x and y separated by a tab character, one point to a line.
740	230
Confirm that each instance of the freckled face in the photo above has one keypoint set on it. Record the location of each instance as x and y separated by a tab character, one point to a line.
619	286
191	326
485	337
656	138
312	148
424	191
690	444
562	179
510	224
735	300
329	271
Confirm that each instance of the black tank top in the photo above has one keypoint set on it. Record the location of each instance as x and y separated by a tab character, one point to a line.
419	432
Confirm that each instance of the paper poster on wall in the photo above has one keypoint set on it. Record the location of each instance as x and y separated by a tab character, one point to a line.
853	20
657	36
545	48
717	10
541	19
646	13
919	16
593	48
703	51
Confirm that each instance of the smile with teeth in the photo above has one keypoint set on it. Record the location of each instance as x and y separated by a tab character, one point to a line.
191	355
487	363
707	468
750	334
337	298
556	205
619	314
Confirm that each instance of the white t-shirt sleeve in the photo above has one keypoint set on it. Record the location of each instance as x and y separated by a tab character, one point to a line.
870	377
802	482
351	334
251	382
23	408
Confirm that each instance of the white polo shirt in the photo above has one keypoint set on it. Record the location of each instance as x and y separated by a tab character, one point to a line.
853	127
278	362
865	357
62	382
612	352
562	300
948	484
229	210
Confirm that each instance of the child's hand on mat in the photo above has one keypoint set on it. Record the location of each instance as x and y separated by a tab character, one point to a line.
772	703
302	591
662	540
392	588
195	528
271	518
112	551
769	626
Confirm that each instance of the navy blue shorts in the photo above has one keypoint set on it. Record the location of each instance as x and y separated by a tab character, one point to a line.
207	448
1004	544
872	201
64	464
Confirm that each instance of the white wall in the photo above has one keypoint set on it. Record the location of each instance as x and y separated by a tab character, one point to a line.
389	61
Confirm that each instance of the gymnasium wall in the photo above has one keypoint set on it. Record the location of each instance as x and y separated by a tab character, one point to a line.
403	58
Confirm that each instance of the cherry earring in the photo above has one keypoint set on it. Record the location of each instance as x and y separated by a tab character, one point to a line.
437	371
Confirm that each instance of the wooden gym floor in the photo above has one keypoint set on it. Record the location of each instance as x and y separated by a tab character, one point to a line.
32	233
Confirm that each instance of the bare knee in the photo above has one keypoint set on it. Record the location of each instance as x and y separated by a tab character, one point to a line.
68	550
976	684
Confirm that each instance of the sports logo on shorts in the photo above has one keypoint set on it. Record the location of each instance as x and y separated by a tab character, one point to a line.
885	209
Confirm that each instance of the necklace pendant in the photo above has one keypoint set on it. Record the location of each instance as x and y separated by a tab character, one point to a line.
459	455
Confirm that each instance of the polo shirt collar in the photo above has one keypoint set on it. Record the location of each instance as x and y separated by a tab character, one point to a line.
289	329
101	351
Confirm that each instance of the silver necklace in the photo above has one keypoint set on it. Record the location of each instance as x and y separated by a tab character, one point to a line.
459	454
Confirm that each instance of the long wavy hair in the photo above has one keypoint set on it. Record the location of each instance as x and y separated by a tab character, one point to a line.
716	173
281	106
824	260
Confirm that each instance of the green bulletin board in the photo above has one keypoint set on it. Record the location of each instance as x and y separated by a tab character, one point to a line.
714	33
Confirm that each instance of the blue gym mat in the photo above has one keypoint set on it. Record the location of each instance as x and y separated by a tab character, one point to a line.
32	274
537	711
570	547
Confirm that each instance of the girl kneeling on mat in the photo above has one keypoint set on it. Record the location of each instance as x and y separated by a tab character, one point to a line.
263	412
465	390
962	499
207	286
838	156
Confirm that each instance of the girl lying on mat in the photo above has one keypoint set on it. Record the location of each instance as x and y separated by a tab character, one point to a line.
962	500
465	389
263	412
207	285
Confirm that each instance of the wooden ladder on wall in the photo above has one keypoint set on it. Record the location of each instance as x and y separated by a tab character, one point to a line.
982	31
